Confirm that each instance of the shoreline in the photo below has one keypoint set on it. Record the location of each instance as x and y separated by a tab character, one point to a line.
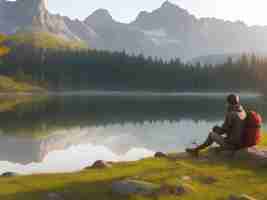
198	178
250	154
131	93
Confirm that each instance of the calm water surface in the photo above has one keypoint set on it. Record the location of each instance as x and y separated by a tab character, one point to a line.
69	131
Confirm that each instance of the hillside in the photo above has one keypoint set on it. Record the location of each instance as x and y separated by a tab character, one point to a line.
43	40
9	85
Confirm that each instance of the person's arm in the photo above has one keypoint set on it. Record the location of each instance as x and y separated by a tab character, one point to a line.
225	126
227	122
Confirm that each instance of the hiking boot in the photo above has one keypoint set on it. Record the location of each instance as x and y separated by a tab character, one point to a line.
192	151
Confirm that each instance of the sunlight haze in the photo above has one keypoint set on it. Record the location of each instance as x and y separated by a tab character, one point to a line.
251	12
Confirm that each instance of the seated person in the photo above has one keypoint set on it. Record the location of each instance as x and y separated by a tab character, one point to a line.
229	135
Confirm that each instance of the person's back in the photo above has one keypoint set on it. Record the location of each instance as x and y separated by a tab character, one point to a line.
229	135
234	124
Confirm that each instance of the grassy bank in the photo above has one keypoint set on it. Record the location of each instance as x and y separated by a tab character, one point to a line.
10	91
9	85
232	177
44	40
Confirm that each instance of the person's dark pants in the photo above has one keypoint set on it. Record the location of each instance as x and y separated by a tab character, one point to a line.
217	136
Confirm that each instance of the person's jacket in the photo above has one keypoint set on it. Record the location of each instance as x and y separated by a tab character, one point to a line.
234	124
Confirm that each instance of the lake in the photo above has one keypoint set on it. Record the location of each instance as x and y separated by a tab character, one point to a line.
65	132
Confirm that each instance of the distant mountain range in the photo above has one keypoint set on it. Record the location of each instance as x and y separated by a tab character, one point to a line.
166	32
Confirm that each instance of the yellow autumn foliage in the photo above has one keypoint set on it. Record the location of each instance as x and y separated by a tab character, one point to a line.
3	50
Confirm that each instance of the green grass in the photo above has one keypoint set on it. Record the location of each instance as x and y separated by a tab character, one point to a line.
8	84
263	143
234	177
44	40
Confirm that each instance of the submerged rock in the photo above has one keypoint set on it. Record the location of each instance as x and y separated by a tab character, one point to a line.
129	187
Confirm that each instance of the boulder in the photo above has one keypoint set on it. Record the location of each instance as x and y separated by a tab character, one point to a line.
160	155
9	174
129	187
100	164
250	154
253	154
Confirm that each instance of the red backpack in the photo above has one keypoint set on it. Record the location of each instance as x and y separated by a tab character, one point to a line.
252	131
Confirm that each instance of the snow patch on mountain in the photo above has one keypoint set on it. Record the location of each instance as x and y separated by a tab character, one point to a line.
160	37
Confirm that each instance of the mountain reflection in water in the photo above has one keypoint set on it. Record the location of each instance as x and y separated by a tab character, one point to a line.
68	133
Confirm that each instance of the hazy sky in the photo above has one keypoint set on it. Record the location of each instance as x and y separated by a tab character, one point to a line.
252	12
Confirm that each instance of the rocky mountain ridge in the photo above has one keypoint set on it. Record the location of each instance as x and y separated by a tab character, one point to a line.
166	32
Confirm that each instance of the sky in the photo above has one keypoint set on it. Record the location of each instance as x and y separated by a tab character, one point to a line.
252	12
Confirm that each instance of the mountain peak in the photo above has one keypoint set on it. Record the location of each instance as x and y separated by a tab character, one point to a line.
165	16
167	4
102	13
100	16
45	4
